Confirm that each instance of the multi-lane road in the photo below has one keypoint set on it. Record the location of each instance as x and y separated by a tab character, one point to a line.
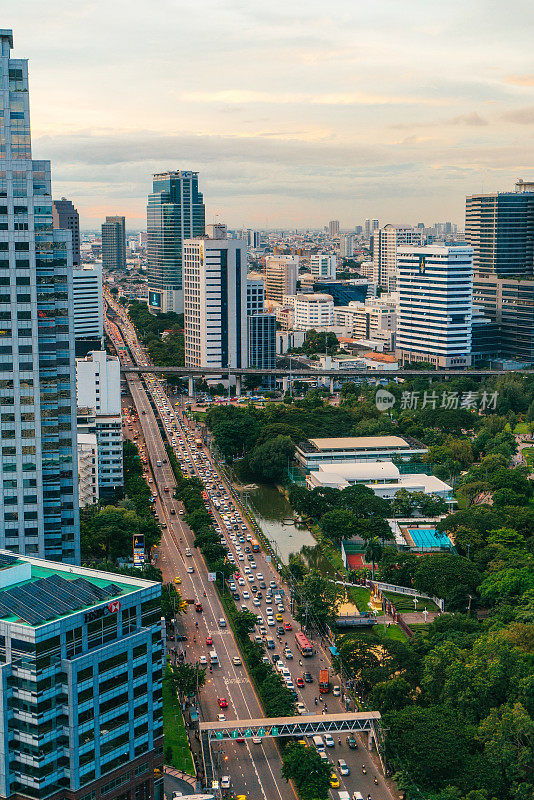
253	768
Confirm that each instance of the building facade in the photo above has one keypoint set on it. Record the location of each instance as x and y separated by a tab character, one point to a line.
347	245
262	341
114	243
39	502
333	228
255	294
281	274
66	217
314	452
88	469
386	240
98	382
175	212
323	266
88	309
81	673
435	305
215	302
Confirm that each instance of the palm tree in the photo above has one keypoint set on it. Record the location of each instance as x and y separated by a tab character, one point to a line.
373	552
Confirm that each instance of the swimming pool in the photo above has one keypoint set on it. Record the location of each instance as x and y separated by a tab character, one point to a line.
428	538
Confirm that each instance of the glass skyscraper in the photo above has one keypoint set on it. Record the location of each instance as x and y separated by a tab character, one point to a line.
175	212
39	499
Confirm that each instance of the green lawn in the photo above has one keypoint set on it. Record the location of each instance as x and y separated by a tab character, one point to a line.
404	603
377	633
360	596
528	453
174	732
420	627
522	427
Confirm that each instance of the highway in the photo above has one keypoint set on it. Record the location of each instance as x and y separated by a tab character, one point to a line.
254	768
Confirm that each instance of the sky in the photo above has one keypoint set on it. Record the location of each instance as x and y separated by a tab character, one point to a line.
294	112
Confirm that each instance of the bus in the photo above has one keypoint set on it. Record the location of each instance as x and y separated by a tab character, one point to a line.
303	645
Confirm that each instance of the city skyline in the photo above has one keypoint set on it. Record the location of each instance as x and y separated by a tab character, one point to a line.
391	112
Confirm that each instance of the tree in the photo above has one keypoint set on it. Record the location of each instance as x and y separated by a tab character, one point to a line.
311	774
188	678
373	552
172	602
507	735
449	576
318	600
392	695
403	504
269	461
339	524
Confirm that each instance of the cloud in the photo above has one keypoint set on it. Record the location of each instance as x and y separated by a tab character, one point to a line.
520	80
523	116
472	119
243	96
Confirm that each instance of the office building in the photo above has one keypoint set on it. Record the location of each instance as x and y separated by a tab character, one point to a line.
383	477
88	309
375	319
215	302
485	338
311	311
82	674
375	225
254	239
99	413
435	305
500	229
262	341
323	266
346	245
367	228
343	292
386	240
39	503
333	228
88	469
114	243
175	212
281	274
66	217
315	452
255	293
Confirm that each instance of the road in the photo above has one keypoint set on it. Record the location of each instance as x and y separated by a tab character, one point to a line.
255	769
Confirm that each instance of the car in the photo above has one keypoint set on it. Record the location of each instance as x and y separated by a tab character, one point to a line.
269	611
236	595
259	595
288	654
272	584
287	626
263	630
240	557
223	702
300	682
256	602
203	660
241	581
262	584
222	622
328	740
256	740
233	587
280	630
275	658
221	718
334	781
259	576
254	588
351	741
178	580
308	677
225	780
209	640
246	596
236	661
301	708
181	637
190	570
279	618
270	621
343	766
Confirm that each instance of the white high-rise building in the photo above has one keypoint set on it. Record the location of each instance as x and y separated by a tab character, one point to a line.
323	266
88	307
347	244
385	244
254	239
215	302
88	469
281	274
311	311
333	228
39	512
435	305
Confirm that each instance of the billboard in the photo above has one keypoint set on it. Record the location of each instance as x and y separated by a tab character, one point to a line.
154	299
138	550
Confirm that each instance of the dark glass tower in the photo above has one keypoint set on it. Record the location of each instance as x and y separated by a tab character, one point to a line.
175	212
114	243
39	471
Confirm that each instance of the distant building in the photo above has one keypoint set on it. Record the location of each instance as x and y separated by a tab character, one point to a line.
88	309
255	294
254	239
262	341
215	302
383	477
386	240
312	311
114	243
435	305
323	266
314	452
280	276
347	244
175	212
333	228
66	217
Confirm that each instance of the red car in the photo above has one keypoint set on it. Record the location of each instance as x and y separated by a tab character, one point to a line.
223	702
300	682
209	640
287	626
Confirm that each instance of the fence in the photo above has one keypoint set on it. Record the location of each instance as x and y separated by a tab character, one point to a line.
391	587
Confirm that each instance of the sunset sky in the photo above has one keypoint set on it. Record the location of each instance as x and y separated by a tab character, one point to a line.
293	112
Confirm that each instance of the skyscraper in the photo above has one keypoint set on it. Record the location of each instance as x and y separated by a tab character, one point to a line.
281	274
175	212
114	243
333	227
88	309
39	505
386	240
215	302
66	216
435	305
500	229
323	266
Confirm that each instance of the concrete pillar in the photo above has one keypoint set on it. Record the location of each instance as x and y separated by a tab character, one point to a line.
238	385
190	390
370	738
285	384
331	385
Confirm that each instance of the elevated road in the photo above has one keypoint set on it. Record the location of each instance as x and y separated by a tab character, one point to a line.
310	372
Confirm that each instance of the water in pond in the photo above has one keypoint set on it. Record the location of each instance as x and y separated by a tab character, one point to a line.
277	520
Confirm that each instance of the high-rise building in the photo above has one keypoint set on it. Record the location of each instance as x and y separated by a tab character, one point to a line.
254	239
88	489
39	505
333	228
215	302
386	240
323	266
98	383
65	216
255	294
347	244
81	683
367	228
281	274
375	225
175	212
88	309
500	229
435	305
114	243
262	341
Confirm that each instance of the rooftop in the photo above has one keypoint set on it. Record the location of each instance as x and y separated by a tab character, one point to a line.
360	443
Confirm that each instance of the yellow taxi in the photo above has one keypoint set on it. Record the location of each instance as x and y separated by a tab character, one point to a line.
279	618
334	781
177	580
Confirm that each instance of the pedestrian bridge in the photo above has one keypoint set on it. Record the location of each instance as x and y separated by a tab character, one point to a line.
307	725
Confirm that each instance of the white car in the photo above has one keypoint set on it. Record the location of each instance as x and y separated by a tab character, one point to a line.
203	660
336	691
236	661
221	718
190	570
270	621
301	708
222	622
246	596
256	602
241	581
328	740
240	557
288	654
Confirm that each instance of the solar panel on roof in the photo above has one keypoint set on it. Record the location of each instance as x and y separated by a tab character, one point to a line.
6	559
42	590
35	598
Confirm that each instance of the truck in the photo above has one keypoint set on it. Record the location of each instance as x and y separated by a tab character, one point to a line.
324	681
